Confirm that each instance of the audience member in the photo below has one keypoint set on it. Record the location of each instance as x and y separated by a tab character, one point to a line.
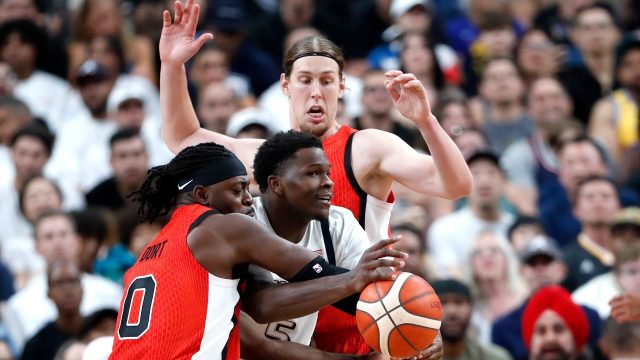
523	230
414	245
553	326
537	56
129	162
621	341
5	350
100	323
250	123
453	113
216	103
65	290
458	343
451	236
92	229
418	57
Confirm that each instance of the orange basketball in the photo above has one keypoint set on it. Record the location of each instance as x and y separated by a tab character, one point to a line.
399	318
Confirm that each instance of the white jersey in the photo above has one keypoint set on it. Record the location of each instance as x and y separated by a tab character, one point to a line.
349	242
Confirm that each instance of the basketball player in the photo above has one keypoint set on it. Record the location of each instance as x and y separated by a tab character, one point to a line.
292	172
182	294
364	164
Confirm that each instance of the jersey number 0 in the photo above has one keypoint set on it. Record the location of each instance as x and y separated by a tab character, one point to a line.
136	311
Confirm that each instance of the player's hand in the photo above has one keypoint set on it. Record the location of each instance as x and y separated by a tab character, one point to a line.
433	352
177	43
625	308
409	95
376	262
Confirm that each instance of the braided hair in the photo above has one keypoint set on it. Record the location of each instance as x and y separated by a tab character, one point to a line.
159	192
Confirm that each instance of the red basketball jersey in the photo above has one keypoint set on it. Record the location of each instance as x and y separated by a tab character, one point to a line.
336	331
172	308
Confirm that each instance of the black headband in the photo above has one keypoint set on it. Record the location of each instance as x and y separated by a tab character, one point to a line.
315	53
222	169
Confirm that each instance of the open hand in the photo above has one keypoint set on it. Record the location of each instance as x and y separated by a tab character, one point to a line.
376	262
177	43
409	95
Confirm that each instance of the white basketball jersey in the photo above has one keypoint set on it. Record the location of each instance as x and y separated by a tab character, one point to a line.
349	242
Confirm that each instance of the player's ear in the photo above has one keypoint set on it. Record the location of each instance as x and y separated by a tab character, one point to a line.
275	184
200	195
343	86
284	85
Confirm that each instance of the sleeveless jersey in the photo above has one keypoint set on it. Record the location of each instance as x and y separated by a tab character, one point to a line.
172	308
625	118
336	331
345	238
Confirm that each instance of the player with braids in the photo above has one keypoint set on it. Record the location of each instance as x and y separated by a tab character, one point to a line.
189	276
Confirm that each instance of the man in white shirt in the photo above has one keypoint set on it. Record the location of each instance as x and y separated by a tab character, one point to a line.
451	236
30	309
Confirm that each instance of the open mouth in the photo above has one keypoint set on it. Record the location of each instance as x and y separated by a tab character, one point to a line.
315	111
325	198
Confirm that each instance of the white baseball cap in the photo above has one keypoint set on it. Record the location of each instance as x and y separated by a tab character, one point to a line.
400	7
249	116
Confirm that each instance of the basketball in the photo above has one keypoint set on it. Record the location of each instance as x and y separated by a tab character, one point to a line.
399	318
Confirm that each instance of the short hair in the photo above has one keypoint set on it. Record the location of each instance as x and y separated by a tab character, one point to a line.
36	132
408	227
90	223
127	133
276	151
29	33
625	255
595	178
94	320
313	44
51	214
583	138
159	192
624	338
14	105
25	185
523	220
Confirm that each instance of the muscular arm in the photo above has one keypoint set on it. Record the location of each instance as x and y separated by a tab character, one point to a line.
180	126
222	241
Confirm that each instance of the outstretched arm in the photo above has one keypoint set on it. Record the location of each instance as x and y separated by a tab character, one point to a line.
445	173
180	126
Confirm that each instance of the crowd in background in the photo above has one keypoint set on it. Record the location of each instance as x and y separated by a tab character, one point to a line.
541	97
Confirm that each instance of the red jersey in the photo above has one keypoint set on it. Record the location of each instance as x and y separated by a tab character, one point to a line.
172	308
336	331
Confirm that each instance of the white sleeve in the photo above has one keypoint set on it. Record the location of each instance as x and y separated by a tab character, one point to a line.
518	163
441	244
349	239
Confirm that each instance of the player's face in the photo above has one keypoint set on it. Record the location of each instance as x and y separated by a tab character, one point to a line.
551	338
231	196
305	183
313	88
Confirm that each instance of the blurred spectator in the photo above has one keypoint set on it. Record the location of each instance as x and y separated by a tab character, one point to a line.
30	309
624	279
268	32
499	110
496	38
522	231
378	111
211	66
553	326
595	33
470	141
492	270
614	119
555	20
109	51
625	308
84	160
595	206
5	350
37	196
129	161
216	103
22	47
65	290
542	265
625	229
226	19
621	341
7	288
457	306
14	114
453	113
71	350
92	230
418	57
579	157
537	57
451	236
530	163
100	323
250	123
30	151
370	20
104	18
413	244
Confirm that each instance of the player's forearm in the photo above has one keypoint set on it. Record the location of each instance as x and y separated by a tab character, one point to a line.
288	301
179	120
285	350
453	173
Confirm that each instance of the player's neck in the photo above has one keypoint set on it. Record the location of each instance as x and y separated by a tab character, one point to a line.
285	221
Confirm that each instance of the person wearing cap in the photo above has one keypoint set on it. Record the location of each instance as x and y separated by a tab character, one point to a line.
614	119
522	231
451	236
553	326
542	265
624	278
250	123
457	306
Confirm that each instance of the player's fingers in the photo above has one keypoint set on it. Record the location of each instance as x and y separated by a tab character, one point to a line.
386	253
177	17
166	18
391	89
194	14
384	273
392	73
401	79
384	243
202	39
381	263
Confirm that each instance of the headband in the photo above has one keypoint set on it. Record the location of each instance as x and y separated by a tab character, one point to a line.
222	169
314	53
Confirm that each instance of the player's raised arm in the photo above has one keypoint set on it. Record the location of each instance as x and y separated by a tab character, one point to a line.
180	126
445	173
